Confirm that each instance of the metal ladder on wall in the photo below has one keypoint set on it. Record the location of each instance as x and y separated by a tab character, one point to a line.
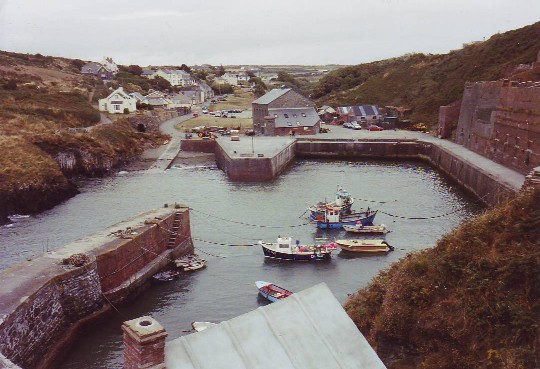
174	230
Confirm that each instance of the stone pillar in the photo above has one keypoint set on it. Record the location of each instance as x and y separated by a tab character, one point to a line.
144	344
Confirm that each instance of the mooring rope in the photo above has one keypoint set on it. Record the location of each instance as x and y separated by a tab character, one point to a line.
420	218
250	224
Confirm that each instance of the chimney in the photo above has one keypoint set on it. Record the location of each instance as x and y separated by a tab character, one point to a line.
144	344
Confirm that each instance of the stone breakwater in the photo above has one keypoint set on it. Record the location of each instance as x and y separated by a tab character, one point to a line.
45	302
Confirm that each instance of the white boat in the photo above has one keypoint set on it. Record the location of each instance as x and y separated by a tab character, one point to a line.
360	228
190	262
201	326
284	249
368	246
196	265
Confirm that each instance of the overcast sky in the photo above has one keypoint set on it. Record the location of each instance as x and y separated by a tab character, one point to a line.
161	32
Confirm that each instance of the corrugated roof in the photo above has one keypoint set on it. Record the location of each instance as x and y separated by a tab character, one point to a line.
271	95
308	330
295	117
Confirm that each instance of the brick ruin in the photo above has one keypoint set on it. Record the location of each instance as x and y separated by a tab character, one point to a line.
499	120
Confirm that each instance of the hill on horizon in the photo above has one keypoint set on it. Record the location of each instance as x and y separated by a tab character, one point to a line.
423	83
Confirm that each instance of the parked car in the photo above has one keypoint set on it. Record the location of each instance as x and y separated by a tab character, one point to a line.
347	125
374	127
250	132
355	125
195	115
217	114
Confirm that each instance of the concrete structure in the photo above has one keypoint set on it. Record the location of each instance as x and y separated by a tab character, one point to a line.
144	344
45	302
308	330
501	121
176	77
276	99
448	119
117	102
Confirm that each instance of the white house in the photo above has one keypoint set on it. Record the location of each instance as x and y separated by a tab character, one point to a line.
110	65
229	78
176	77
117	102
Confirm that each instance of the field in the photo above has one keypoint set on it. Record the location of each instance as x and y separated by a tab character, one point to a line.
240	100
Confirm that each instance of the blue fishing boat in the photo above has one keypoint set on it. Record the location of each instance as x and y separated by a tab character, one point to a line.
333	218
272	292
343	200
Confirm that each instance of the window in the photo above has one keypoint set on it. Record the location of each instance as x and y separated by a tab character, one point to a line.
116	107
286	115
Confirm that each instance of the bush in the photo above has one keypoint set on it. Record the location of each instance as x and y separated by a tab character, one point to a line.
126	111
10	85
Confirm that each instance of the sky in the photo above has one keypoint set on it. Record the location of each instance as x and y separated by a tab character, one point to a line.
167	32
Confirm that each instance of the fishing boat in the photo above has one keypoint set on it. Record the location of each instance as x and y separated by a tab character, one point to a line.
343	201
373	229
369	246
284	249
166	276
272	292
333	218
190	262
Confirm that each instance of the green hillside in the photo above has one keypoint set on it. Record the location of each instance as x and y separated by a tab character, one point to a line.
472	301
425	82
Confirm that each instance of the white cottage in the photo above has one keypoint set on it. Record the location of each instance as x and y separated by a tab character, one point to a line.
117	102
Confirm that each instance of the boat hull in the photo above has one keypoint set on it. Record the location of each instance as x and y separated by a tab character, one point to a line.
364	246
272	292
295	256
366	229
349	220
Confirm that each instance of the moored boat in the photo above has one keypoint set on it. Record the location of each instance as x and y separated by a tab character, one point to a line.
285	249
196	265
369	246
272	292
343	201
190	262
332	218
166	276
360	228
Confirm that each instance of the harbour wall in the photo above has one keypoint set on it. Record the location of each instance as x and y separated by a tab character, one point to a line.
254	168
488	188
45	303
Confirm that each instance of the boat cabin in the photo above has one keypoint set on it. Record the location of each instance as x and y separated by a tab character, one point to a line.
332	214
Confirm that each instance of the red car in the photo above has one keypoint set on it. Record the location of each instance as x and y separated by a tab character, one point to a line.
374	127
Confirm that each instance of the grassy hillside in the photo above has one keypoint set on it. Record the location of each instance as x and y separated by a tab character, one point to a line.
425	82
473	301
44	106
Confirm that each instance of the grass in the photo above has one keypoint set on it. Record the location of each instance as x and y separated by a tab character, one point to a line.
473	301
240	100
210	120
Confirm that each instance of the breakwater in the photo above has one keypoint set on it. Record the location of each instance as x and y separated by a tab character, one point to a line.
45	302
482	182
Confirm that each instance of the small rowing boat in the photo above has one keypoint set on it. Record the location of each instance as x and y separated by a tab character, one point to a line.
166	276
360	228
272	292
370	246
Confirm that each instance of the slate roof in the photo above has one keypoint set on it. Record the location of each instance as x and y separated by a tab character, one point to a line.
137	95
294	117
308	330
271	96
91	68
359	110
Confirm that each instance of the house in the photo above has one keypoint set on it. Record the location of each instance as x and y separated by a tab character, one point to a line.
327	113
118	102
98	70
206	92
230	78
194	96
309	329
366	114
176	77
110	65
281	102
148	73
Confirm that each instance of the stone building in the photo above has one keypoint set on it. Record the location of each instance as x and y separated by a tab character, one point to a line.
273	112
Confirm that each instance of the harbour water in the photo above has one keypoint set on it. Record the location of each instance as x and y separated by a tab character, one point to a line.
227	218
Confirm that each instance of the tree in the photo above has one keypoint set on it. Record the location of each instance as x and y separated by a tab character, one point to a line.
220	71
10	85
223	88
185	68
288	79
160	83
135	69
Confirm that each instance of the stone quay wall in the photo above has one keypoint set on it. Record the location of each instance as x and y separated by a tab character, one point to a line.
44	304
198	145
254	169
472	178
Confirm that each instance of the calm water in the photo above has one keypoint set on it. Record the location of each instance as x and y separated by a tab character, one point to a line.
240	214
